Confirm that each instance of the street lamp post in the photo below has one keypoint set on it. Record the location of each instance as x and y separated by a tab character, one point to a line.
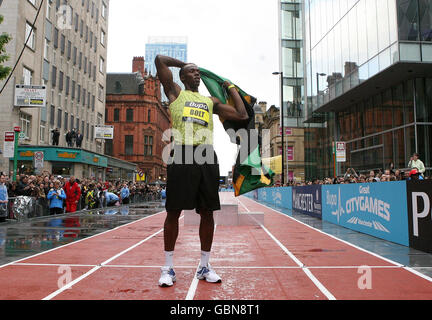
282	126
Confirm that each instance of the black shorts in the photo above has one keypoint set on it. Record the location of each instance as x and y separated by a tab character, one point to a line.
192	183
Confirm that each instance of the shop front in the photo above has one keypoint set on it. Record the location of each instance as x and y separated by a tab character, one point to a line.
61	161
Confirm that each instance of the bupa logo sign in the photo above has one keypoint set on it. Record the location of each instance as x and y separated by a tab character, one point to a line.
419	196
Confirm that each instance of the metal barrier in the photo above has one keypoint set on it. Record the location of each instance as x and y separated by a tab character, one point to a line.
23	207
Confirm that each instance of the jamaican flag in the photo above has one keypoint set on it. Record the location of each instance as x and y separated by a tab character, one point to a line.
249	172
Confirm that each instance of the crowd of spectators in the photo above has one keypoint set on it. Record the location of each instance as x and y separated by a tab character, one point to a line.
414	171
58	194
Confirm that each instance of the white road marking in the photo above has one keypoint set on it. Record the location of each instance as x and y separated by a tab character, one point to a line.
75	242
317	283
67	286
194	284
351	244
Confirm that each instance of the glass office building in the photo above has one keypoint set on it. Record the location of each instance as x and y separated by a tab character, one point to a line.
292	62
175	47
368	82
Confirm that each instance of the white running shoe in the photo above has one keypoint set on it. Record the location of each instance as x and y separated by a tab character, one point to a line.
208	274
167	277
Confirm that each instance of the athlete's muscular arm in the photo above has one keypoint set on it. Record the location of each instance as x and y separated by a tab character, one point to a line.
238	113
172	89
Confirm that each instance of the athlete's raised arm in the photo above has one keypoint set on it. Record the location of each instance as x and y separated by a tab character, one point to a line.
172	89
238	113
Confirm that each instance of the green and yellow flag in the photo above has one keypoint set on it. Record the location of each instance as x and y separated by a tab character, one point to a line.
249	172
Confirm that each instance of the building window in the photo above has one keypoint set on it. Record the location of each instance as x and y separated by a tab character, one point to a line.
99	118
76	22
104	10
102	38
56	34
30	32
60	81
148	145
25	121
79	94
109	147
27	76
149	115
42	129
129	115
62	44
116	115
75	50
46	49
100	93
59	118
128	145
54	77
73	90
66	120
69	50
45	70
101	65
52	115
67	85
93	102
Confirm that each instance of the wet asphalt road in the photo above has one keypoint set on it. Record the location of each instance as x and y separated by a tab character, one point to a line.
23	239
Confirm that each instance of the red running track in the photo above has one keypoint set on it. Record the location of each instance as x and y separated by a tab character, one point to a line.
283	259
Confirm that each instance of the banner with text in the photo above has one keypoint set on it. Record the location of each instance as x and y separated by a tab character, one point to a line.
377	209
419	198
277	196
307	200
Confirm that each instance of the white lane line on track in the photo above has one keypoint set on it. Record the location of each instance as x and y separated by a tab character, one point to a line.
351	244
75	242
194	284
317	283
67	286
190	267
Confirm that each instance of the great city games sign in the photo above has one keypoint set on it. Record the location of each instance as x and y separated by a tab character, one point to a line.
371	208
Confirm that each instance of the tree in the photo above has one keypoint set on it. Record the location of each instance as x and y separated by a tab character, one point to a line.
4	39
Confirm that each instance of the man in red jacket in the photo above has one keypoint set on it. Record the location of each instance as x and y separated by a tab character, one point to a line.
73	194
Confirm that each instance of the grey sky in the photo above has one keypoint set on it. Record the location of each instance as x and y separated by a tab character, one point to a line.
237	39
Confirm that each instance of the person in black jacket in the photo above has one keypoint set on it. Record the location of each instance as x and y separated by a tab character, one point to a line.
55	136
79	139
23	187
69	138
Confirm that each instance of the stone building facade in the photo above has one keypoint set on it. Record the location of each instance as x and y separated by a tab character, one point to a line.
139	118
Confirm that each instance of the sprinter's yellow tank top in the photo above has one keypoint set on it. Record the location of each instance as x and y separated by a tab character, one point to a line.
192	119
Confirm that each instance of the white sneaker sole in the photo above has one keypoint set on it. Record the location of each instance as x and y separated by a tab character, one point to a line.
164	285
203	277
